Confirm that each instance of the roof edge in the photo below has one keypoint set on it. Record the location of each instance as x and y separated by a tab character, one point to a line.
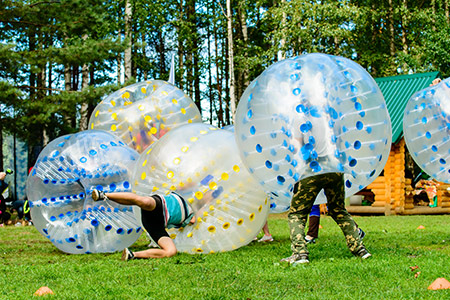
408	76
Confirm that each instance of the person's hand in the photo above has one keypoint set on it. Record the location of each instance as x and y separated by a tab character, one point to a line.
2	175
435	81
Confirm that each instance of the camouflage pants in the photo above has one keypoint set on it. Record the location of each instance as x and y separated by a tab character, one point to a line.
302	201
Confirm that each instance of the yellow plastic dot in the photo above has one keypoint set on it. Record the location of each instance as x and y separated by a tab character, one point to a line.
92	126
212	229
211	207
97	113
113	127
194	139
189	121
225	176
164	185
189	180
141	107
147	119
162	126
203	131
183	111
241	240
173	236
226	225
176	161
218	201
198	195
144	163
126	95
174	101
181	184
158	117
265	202
199	250
220	218
173	188
184	149
143	175
236	168
199	220
260	208
113	103
114	116
154	189
205	213
189	234
127	103
212	185
170	174
130	129
234	247
191	200
164	93
252	216
153	130
143	90
240	221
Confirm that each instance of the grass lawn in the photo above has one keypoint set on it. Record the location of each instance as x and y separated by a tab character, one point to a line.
29	261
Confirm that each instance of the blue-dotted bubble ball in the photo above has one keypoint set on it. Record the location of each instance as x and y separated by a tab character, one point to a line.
60	185
426	127
142	113
310	115
202	164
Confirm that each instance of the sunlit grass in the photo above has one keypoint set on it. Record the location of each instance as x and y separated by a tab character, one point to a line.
29	261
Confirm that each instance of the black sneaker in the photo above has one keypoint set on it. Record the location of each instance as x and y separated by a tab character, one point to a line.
98	195
295	259
361	232
363	253
127	254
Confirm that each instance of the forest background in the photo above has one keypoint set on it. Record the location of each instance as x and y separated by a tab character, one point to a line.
59	58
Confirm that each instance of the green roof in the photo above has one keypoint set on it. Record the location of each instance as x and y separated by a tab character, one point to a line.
397	90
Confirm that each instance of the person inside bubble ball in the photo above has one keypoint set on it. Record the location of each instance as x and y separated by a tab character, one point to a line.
157	214
316	151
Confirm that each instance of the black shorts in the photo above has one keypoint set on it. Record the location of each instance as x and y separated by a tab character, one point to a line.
153	221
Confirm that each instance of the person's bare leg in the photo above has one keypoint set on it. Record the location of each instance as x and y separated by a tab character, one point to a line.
266	229
168	249
126	198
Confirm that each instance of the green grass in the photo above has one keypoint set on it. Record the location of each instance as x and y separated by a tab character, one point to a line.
29	261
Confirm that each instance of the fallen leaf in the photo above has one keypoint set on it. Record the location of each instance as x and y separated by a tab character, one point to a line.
439	284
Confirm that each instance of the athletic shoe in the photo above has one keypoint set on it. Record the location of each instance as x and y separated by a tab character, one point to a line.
295	259
310	240
363	253
362	234
266	238
127	254
98	195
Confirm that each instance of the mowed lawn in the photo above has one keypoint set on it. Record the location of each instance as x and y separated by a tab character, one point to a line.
405	261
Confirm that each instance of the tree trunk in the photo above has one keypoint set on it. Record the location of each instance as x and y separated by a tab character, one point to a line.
218	74
231	60
391	29
128	28
84	117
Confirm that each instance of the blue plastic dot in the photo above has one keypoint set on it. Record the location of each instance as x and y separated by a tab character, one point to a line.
83	159
357	145
280	179
92	152
268	164
252	130
434	148
352	162
428	135
94	222
424	120
258	148
126	184
296	91
120	231
70	240
46	181
359	125
273	152
358	106
79	247
129	231
348	183
442	161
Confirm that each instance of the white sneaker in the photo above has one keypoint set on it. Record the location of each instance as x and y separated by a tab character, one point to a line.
295	259
266	238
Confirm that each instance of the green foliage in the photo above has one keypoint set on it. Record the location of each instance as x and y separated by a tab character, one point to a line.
29	261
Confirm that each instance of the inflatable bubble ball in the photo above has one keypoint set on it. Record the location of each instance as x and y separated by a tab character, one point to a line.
60	185
201	163
426	127
313	114
142	113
